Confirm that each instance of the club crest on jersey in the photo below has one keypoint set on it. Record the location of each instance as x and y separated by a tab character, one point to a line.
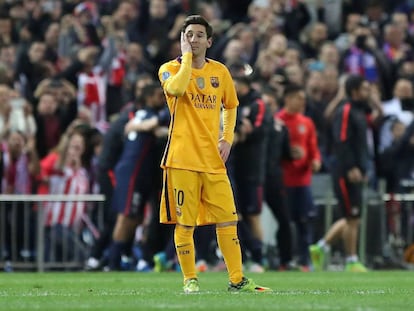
214	82
200	82
301	129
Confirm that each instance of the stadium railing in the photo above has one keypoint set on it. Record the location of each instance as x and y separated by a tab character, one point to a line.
27	244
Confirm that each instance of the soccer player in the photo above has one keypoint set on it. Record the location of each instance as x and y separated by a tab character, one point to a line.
196	189
134	173
351	165
297	174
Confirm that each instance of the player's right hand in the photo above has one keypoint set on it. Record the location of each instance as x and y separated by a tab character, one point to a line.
185	45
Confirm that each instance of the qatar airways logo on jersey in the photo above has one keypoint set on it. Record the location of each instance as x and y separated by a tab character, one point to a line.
203	101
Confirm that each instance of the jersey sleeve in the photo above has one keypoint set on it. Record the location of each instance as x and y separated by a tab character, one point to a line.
230	100
229	122
175	84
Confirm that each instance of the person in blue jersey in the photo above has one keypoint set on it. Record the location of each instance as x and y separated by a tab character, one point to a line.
134	172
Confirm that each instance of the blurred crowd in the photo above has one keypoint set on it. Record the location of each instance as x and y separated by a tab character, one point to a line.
73	74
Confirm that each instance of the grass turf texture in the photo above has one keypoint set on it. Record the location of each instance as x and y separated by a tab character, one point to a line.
163	291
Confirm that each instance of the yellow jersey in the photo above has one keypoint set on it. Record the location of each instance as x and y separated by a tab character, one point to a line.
194	130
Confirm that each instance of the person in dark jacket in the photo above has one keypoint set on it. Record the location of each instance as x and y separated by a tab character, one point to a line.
352	157
278	149
249	158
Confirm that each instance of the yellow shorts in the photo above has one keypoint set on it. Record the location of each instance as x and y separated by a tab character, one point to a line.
195	198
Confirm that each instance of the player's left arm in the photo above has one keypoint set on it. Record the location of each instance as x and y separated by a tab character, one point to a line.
229	122
230	103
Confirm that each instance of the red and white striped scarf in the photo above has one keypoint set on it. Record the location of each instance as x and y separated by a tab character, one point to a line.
68	214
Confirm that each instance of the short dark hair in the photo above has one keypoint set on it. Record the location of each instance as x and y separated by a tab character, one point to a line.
292	88
353	83
198	20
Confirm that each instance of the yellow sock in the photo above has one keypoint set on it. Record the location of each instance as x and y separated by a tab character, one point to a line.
184	246
228	242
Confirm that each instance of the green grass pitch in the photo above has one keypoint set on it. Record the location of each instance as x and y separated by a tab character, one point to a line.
372	291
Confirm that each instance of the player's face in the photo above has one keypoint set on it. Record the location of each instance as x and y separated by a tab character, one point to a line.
197	37
297	101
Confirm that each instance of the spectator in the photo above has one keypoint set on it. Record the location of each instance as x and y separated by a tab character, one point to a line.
7	63
394	47
400	107
84	30
65	94
19	165
63	172
20	116
233	52
5	110
31	69
328	55
295	74
318	34
345	40
48	123
293	17
126	16
52	44
278	43
389	167
6	29
330	13
359	58
136	65
154	24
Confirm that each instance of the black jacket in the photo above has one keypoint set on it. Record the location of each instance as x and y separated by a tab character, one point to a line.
278	149
350	137
250	154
